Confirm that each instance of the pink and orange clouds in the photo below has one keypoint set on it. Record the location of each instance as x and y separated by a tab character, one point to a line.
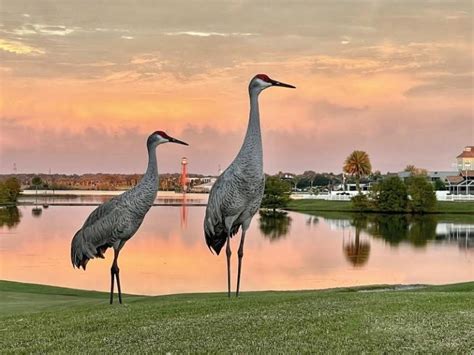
81	86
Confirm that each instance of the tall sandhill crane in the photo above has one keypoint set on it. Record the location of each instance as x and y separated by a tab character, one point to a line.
236	195
117	220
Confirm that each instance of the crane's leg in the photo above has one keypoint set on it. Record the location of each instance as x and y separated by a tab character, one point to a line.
114	271
240	253
228	252
112	279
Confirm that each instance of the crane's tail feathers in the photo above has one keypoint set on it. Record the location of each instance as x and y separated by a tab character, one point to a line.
82	251
216	240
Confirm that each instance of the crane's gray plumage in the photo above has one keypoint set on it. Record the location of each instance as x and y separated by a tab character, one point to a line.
236	195
117	220
114	222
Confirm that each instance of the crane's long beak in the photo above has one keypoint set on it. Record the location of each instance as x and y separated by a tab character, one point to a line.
278	83
174	140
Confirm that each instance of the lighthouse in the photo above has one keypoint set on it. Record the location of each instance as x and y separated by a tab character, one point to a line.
184	174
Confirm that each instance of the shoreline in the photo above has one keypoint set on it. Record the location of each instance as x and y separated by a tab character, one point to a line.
6	285
443	207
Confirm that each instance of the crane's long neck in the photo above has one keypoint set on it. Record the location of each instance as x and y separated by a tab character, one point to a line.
151	173
252	147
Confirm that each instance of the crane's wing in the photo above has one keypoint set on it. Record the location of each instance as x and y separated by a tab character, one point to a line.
102	211
223	202
101	230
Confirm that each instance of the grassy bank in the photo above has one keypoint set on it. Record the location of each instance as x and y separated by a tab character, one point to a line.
346	206
42	319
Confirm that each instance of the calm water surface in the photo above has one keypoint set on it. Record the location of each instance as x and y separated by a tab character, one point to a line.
297	251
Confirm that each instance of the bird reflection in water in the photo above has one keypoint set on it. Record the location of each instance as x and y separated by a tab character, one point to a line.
9	217
274	226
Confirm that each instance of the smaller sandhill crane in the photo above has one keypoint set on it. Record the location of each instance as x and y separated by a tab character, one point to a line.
114	222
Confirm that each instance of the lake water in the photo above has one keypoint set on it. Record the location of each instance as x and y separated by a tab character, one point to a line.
297	251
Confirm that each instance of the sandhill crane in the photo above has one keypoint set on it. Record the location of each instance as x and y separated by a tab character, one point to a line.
117	220
236	195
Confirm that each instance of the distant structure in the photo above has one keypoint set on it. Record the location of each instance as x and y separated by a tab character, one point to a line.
460	182
14	168
463	182
184	174
465	160
206	184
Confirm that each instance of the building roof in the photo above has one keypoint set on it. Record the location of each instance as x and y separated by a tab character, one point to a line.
468	173
455	179
468	152
431	174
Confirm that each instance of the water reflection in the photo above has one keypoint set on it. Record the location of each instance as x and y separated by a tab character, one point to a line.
312	220
36	211
80	197
9	217
184	212
356	250
416	230
274	225
293	251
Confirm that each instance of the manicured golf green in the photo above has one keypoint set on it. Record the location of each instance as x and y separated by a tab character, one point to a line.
42	319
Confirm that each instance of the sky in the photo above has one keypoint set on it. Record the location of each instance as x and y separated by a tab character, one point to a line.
83	83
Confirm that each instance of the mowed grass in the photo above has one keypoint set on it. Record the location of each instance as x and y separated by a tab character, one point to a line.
377	319
313	205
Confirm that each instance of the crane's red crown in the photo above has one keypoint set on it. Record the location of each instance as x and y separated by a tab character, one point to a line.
263	77
161	133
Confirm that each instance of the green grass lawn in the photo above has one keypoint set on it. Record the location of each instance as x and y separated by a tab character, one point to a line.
43	319
345	206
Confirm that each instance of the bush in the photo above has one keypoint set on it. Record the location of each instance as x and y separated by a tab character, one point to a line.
277	193
9	190
439	185
423	197
361	203
390	195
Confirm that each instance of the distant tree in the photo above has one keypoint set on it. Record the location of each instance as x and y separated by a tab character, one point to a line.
9	190
413	170
321	180
36	181
277	193
439	185
306	179
423	197
390	195
13	187
357	164
410	168
4	195
375	176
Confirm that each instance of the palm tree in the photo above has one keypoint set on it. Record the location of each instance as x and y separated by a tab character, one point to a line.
357	164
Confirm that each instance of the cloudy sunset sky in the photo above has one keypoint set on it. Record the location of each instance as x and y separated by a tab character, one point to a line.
83	83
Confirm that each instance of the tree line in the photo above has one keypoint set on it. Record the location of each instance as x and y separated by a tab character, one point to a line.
415	194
